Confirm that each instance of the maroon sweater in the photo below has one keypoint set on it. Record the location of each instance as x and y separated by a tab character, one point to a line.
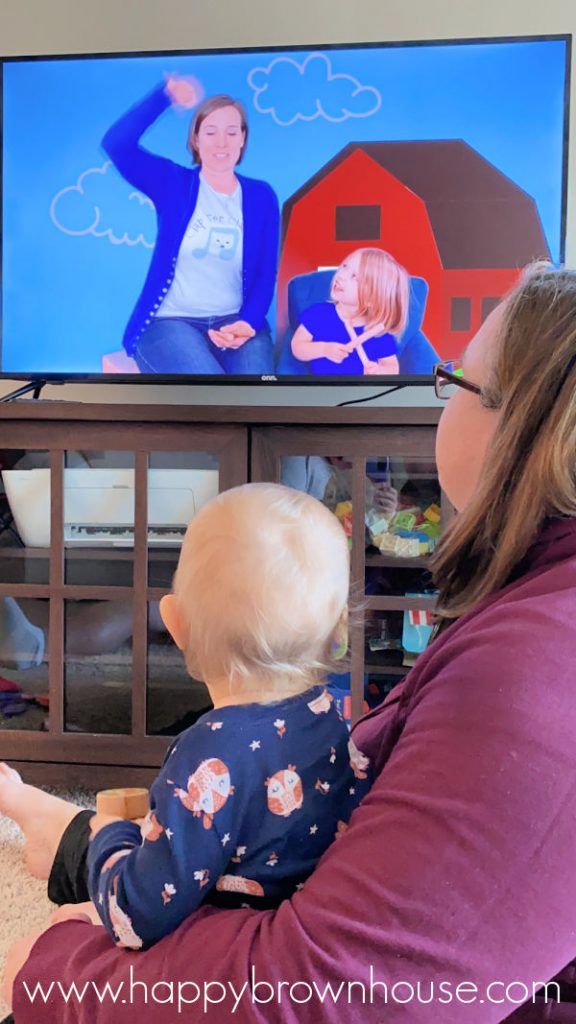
459	868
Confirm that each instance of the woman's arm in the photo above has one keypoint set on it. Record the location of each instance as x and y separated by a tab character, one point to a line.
457	869
148	172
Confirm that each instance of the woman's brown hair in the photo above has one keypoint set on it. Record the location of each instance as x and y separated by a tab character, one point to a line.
529	471
208	107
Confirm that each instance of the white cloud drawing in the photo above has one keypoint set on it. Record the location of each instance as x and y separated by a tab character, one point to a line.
291	92
97	201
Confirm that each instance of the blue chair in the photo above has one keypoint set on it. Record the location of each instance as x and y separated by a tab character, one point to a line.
415	353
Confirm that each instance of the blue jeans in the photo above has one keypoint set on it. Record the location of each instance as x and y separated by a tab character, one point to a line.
181	345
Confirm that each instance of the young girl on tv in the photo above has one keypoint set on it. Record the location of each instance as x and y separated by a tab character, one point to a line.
357	331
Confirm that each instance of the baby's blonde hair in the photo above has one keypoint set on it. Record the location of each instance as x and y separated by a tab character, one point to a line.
383	290
261	589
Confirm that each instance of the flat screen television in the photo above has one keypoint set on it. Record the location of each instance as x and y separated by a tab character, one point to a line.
307	215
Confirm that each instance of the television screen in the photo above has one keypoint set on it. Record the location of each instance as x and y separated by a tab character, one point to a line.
336	214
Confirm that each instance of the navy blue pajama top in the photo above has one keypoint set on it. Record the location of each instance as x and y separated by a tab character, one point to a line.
247	801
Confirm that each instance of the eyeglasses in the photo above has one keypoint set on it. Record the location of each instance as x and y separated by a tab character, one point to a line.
448	377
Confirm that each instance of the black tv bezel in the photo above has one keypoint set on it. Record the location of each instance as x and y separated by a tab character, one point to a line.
278	380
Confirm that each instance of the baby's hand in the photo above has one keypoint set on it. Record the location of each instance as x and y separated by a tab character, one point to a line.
76	912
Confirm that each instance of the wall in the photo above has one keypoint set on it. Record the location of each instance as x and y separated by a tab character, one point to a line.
79	26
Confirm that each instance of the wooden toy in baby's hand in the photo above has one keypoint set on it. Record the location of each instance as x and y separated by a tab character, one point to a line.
123	803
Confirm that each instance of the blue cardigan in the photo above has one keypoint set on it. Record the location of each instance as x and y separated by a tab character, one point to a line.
174	191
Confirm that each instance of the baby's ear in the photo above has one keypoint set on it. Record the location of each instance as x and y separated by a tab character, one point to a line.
171	618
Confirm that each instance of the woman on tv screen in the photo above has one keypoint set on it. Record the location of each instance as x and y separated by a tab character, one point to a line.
211	279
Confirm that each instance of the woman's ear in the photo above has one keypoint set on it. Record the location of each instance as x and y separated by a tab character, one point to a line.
172	620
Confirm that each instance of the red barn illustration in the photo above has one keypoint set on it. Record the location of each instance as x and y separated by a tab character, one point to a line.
439	207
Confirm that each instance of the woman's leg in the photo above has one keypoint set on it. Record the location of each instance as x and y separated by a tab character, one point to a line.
56	833
255	356
171	345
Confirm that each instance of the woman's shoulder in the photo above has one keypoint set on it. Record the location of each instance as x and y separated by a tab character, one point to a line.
519	642
257	187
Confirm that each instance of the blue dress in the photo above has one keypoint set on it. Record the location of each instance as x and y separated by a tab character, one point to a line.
324	324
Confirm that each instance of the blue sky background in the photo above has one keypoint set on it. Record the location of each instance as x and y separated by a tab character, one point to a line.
67	297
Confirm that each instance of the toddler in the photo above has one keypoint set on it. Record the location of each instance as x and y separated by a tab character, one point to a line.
253	793
356	332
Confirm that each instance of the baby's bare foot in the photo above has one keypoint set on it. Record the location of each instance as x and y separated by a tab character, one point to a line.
10	788
42	817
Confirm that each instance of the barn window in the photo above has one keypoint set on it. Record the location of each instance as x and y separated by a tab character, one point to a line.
357	224
488	305
460	314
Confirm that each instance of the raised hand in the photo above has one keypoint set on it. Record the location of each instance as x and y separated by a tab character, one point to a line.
182	91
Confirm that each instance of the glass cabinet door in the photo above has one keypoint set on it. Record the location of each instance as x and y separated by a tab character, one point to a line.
90	537
24	596
182	482
24	516
404	518
24	659
383	487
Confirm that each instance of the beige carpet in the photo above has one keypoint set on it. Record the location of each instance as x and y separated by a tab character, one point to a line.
23	901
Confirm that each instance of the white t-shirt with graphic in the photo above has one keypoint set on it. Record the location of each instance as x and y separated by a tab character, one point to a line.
208	274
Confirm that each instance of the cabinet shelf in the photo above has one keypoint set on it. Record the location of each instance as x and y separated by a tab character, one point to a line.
92	554
400	604
374	669
374	559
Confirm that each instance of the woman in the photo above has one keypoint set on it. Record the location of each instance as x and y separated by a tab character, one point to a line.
454	881
203	306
